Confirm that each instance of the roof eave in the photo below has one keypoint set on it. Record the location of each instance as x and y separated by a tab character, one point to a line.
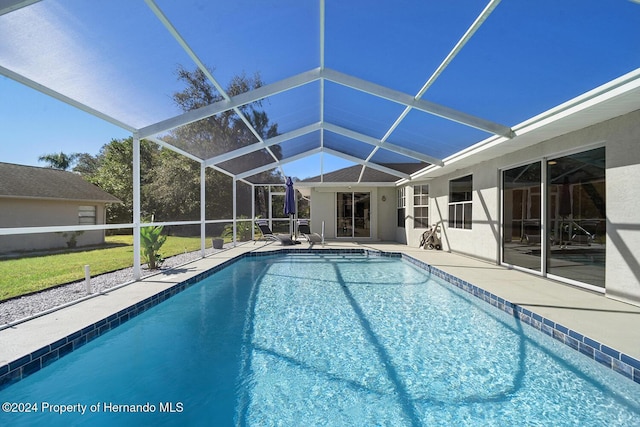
58	199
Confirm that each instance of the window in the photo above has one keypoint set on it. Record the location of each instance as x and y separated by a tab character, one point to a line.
420	206
87	215
460	202
402	202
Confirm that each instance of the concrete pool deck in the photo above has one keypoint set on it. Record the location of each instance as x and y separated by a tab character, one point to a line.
607	321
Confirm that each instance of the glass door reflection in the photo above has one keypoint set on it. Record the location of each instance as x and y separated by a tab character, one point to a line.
522	237
344	215
362	215
353	215
577	217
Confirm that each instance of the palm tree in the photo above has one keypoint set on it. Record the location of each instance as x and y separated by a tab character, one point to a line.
59	160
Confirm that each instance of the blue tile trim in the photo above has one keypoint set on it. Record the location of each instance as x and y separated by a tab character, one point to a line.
26	365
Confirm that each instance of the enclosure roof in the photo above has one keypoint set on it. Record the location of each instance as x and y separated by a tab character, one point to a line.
29	182
434	83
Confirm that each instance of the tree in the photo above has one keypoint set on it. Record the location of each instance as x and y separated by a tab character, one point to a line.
212	136
226	131
59	160
115	175
170	182
87	165
173	190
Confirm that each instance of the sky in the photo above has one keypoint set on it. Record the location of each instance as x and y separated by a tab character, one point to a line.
526	58
33	124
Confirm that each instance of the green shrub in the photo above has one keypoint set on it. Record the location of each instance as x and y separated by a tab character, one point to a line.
151	240
244	230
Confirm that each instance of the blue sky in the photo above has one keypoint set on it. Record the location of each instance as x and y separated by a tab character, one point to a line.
34	124
526	58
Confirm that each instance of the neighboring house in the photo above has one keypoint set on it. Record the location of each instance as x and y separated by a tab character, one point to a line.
563	206
38	197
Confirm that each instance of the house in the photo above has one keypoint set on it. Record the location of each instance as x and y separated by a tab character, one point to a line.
38	197
356	202
560	202
523	132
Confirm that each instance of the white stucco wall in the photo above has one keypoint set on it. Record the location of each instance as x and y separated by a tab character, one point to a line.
410	235
481	240
620	136
323	208
40	213
386	217
623	206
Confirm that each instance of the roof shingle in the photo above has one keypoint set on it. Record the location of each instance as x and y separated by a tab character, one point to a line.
19	181
352	173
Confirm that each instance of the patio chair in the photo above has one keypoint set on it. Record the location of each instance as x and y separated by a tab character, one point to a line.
305	230
268	235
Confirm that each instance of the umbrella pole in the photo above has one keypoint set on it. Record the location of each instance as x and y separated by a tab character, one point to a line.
290	226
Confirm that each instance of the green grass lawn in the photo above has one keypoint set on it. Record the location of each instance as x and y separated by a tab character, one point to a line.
35	273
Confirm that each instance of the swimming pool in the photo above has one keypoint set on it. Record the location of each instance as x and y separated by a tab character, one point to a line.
326	339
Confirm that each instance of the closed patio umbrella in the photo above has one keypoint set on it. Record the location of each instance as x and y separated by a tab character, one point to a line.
290	203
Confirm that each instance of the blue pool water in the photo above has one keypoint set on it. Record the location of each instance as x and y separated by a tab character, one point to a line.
329	340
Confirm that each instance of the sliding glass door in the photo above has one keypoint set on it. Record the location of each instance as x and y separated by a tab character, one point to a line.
577	217
521	237
344	220
571	247
353	215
